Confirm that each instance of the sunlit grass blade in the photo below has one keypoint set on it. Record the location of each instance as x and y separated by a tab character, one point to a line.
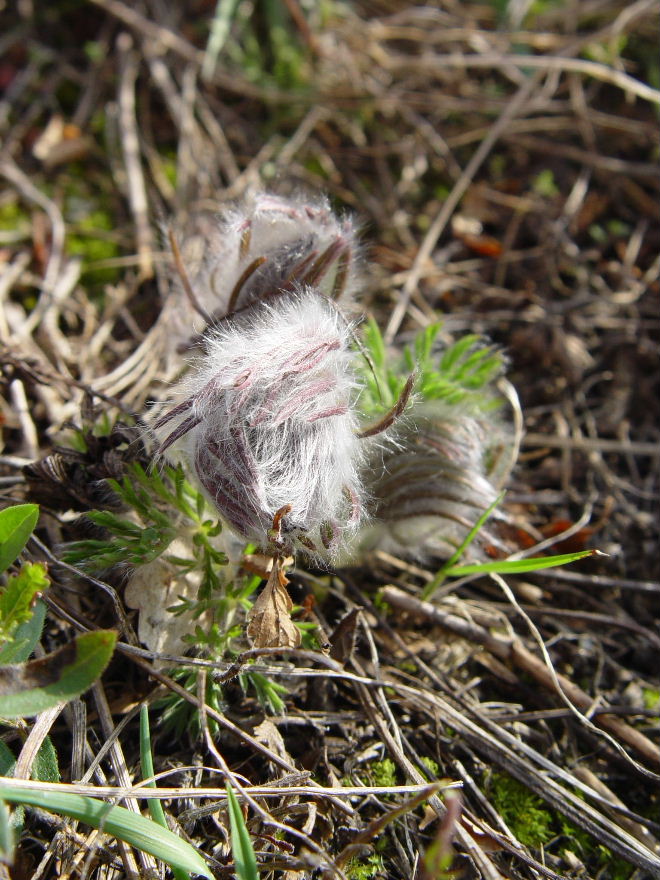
220	27
6	836
518	566
146	762
469	538
245	860
132	828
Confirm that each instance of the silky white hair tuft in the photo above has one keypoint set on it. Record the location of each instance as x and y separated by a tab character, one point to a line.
266	246
433	480
265	420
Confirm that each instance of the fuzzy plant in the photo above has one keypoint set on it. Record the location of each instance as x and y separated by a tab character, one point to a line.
264	248
298	431
441	468
269	419
266	420
266	423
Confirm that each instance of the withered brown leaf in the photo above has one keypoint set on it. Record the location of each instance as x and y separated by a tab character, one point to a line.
343	637
269	620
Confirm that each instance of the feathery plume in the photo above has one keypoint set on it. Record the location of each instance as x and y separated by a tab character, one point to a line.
265	421
443	464
263	248
430	486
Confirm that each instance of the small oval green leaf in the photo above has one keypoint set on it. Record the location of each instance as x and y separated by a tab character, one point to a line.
30	688
18	596
25	637
16	525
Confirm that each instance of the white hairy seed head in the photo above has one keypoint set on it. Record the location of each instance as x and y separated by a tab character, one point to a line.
267	247
432	484
265	421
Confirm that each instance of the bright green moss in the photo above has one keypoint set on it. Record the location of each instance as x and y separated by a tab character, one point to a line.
599	858
383	773
432	766
364	869
523	811
536	825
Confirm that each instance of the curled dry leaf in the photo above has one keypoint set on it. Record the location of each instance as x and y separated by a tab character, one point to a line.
269	620
343	637
269	735
157	586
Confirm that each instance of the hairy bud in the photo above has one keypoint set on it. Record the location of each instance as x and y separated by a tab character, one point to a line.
265	422
264	248
430	487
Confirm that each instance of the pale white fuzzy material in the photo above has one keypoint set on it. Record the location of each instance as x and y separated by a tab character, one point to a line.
265	419
156	586
287	232
430	486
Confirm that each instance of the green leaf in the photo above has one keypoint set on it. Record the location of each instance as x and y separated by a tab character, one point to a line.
463	372
146	762
45	767
147	765
516	566
16	525
159	500
456	352
245	860
30	688
132	828
7	759
17	598
25	637
376	345
6	835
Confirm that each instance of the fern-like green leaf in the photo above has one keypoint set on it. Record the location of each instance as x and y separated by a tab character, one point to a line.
463	373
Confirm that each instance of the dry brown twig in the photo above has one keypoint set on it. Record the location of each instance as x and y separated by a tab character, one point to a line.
542	670
130	141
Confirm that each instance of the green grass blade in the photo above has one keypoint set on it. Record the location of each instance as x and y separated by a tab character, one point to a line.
6	836
133	829
469	538
146	762
220	27
245	860
517	566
